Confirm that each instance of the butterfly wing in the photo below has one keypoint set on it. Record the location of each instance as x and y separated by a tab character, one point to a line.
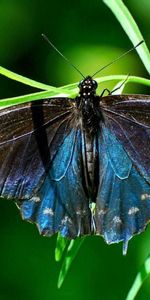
128	118
123	200
41	168
30	135
61	203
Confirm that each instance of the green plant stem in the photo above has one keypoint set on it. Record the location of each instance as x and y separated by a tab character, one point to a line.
129	25
23	79
139	280
70	90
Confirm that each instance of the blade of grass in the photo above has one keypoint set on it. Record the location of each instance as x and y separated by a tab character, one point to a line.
39	85
130	27
24	80
30	97
68	90
139	280
61	244
71	253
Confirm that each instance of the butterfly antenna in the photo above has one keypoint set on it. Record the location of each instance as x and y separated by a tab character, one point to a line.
109	64
65	58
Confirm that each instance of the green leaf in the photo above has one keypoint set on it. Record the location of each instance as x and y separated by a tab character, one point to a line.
61	245
71	253
139	280
130	27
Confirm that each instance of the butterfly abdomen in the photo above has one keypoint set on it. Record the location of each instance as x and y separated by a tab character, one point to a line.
90	164
89	155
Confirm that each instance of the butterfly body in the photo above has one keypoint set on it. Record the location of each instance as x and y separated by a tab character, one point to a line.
89	115
57	156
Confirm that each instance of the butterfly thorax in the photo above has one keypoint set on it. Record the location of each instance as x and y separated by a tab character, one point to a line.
88	105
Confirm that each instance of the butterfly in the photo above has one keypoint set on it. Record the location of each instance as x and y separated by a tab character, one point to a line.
59	156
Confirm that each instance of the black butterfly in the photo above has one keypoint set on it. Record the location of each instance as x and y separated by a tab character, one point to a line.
60	155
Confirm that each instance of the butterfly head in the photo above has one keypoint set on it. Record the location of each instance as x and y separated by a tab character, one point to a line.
87	87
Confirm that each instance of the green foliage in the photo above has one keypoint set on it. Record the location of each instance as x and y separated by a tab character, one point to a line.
139	280
61	245
130	27
71	253
69	90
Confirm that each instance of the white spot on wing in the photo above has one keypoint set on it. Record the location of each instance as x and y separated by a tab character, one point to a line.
101	212
117	220
81	212
133	210
48	211
35	199
66	220
145	196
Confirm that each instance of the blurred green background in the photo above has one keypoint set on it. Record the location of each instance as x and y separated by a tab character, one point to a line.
90	36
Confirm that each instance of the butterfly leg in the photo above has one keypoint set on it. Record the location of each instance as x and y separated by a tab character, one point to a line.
117	88
105	90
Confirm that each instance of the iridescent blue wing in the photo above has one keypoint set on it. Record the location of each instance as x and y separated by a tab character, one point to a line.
61	204
40	165
123	200
128	118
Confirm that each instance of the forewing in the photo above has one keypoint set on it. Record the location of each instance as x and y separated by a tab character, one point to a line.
128	118
41	166
30	136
